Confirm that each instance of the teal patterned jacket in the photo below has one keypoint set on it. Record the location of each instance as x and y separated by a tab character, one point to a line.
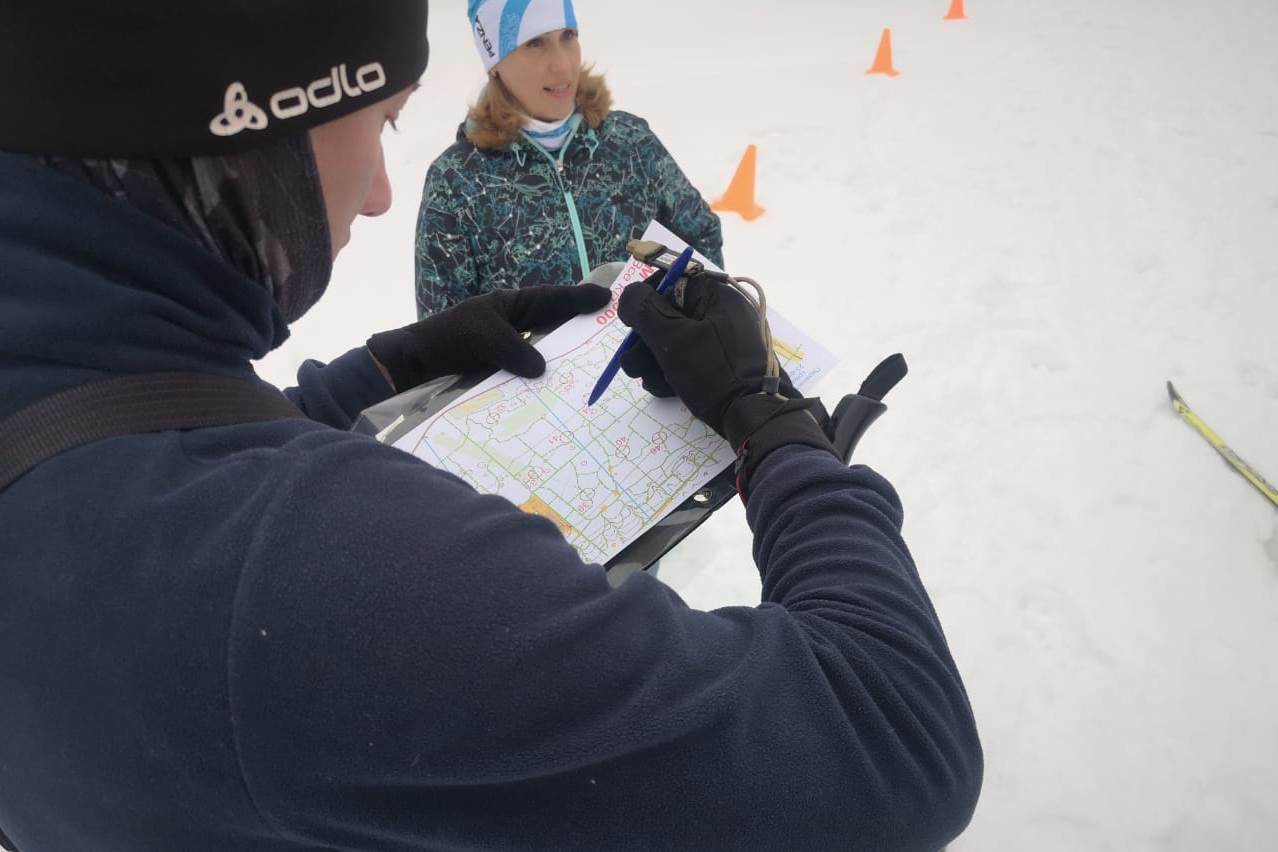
525	216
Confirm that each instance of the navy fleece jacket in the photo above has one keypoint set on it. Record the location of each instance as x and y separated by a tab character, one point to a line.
285	636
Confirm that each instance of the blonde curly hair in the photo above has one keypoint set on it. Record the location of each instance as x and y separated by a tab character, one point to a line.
496	118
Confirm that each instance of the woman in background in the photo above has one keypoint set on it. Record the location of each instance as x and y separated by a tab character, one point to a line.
545	180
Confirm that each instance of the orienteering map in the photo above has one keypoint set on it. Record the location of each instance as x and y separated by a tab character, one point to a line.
604	473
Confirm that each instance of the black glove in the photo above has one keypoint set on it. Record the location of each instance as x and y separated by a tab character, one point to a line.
481	333
710	353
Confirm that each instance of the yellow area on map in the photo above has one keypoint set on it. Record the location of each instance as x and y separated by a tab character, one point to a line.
786	351
479	403
534	505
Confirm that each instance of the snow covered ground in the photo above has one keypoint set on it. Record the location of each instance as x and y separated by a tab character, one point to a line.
1057	206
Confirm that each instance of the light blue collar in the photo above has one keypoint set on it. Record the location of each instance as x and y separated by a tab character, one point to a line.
551	135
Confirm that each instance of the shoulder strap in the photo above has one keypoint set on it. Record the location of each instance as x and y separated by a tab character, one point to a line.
132	405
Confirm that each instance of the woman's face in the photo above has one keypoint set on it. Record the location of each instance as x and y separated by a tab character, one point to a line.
352	169
542	74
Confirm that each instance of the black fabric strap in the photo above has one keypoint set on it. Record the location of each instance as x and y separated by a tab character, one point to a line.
884	377
132	405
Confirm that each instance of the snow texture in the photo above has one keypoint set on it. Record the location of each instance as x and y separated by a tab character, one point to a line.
1056	207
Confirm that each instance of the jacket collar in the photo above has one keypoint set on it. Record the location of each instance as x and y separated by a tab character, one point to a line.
586	137
90	287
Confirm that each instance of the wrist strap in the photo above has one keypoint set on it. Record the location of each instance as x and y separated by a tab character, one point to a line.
792	425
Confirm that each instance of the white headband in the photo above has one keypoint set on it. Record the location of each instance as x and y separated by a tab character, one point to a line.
501	26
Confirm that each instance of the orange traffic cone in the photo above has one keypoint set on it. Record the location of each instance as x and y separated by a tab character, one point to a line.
956	12
883	61
740	195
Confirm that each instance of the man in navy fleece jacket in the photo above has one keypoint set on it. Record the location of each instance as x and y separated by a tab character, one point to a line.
283	636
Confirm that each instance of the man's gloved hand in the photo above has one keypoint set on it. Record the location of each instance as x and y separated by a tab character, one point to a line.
710	353
481	333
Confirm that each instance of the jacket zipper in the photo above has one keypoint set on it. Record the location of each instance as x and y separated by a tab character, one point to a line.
573	216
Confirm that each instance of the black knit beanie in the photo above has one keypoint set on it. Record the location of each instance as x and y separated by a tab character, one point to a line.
164	78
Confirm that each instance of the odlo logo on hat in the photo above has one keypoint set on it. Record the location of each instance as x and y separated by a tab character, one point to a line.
239	113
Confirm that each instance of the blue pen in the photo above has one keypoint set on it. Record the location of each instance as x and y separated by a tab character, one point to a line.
672	275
